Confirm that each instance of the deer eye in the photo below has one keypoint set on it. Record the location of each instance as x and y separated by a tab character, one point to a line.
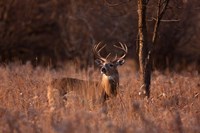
111	65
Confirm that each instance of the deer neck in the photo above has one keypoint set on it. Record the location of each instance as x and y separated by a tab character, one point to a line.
110	83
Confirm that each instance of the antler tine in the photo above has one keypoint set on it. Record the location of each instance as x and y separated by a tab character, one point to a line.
96	47
97	51
108	56
122	47
115	57
101	48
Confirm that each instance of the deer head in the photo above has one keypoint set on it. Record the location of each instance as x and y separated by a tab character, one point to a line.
110	75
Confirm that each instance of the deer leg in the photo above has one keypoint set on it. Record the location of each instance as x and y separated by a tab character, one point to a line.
54	98
103	96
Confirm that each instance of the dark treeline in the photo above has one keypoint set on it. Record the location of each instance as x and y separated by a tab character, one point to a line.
52	31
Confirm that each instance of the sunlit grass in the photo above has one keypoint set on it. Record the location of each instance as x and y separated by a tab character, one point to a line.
172	107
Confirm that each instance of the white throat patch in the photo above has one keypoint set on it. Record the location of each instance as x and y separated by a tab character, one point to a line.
110	77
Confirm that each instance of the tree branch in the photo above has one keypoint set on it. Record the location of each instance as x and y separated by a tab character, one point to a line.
165	3
116	4
160	13
164	20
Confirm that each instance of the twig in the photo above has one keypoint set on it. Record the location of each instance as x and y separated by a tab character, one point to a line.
164	20
116	4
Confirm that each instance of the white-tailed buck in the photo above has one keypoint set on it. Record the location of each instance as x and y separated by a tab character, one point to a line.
107	87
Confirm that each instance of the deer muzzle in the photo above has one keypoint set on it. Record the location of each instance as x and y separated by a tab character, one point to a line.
103	70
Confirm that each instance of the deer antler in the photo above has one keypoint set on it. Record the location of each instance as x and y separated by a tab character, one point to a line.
122	47
97	50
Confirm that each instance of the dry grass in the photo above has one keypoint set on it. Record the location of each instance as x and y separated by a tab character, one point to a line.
173	105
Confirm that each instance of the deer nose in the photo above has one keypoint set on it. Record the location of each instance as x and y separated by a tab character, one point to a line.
103	70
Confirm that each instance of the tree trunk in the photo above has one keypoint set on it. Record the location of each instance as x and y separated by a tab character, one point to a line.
144	54
145	49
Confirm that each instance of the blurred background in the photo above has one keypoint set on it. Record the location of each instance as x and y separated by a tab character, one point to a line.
52	32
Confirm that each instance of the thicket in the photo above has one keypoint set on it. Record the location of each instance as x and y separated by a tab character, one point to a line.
51	31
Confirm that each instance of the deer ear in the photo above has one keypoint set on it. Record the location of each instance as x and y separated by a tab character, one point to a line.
98	62
120	62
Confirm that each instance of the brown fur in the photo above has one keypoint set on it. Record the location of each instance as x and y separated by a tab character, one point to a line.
108	86
59	87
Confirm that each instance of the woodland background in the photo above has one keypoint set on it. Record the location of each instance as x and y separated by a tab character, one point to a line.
49	32
61	33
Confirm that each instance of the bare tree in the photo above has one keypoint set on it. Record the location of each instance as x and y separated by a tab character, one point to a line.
145	48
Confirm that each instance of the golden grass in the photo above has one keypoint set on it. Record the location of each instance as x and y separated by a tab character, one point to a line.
173	105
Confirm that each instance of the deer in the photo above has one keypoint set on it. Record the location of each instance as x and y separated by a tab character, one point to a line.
107	87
